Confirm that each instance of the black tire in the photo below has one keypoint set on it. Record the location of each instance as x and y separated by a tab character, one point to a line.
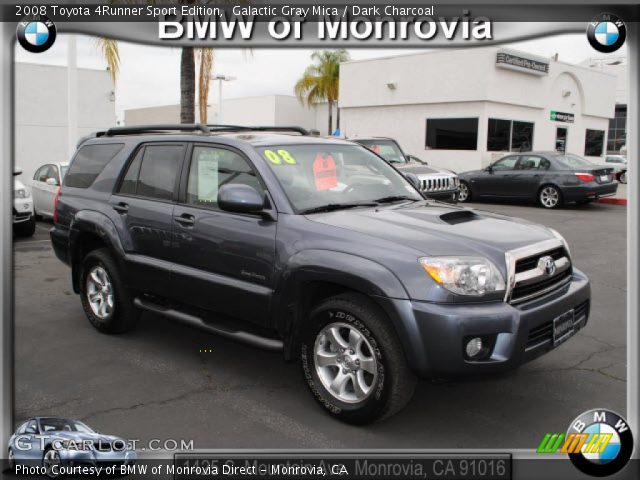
124	315
461	197
623	177
11	461
391	388
25	229
546	190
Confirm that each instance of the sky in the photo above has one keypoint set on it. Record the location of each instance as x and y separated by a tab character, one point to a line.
149	76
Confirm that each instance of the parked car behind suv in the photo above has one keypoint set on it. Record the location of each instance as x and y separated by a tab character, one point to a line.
314	247
548	178
44	186
24	222
436	183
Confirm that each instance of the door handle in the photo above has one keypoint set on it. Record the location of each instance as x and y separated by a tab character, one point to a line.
121	207
186	220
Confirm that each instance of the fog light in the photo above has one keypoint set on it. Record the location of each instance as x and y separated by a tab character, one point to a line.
474	347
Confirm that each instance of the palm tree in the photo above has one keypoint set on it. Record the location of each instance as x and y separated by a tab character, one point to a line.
111	54
321	80
205	67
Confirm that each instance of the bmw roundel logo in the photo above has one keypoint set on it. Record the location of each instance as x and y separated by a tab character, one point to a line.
36	34
606	32
605	442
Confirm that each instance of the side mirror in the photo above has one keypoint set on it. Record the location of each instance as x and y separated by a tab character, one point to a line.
489	169
51	181
17	171
413	179
240	198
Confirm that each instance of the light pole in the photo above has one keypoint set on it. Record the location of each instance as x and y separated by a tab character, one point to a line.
221	78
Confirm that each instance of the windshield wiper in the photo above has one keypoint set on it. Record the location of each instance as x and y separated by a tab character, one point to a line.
395	198
329	207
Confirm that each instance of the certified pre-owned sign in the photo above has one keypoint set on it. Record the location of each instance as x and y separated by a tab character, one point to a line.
536	66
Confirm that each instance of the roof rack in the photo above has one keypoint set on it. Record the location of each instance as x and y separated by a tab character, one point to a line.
259	128
180	127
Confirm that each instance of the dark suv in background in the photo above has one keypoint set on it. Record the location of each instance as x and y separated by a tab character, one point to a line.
314	247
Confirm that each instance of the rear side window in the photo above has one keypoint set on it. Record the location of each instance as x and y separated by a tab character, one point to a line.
153	172
89	162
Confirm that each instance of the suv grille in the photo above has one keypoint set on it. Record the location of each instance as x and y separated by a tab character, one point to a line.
544	333
532	281
437	184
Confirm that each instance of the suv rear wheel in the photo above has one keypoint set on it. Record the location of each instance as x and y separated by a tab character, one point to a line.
104	296
353	361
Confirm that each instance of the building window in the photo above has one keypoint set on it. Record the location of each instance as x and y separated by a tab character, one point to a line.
509	136
617	137
594	143
499	135
452	133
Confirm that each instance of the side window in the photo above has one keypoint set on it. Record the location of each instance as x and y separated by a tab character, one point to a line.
211	168
153	172
506	163
89	161
533	163
32	427
41	174
130	180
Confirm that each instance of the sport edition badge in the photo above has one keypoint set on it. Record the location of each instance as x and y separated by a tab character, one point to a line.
36	34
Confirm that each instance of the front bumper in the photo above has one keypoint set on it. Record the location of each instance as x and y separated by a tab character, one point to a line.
589	191
434	335
449	196
22	210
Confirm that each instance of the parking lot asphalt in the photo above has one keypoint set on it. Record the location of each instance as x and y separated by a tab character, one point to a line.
159	383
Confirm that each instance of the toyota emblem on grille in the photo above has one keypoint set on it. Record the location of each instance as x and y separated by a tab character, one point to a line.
547	265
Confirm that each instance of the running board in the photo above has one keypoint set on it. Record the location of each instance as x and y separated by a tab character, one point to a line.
244	337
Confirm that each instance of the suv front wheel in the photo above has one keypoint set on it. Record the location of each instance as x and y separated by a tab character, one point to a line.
353	361
105	298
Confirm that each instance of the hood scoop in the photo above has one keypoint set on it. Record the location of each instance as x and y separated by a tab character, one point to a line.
460	216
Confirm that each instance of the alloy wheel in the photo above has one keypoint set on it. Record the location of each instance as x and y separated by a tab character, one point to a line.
549	197
51	459
623	177
463	193
345	362
100	292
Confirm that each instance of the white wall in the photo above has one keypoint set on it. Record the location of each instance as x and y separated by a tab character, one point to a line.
467	83
150	115
41	112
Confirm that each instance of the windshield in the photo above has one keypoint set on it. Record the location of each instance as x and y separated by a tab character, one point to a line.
63	425
314	176
574	161
387	149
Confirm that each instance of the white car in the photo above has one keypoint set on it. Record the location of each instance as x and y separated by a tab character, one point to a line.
44	187
24	222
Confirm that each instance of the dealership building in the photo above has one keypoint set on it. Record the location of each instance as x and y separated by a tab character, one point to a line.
462	109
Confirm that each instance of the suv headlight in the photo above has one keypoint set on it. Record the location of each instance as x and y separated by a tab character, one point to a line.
464	275
21	193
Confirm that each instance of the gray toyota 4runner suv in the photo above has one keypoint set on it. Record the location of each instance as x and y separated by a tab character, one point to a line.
314	247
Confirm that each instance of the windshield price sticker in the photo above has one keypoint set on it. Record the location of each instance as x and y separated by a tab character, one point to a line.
277	158
325	172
